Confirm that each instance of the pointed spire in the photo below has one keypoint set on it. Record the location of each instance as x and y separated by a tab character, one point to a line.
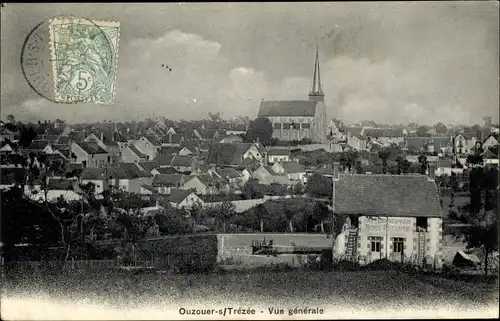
316	90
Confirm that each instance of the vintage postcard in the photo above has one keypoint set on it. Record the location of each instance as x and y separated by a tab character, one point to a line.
185	161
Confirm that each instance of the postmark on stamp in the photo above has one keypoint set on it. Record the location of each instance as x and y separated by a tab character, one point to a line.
84	56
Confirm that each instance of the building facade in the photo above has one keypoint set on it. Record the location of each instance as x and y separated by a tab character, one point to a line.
299	119
394	217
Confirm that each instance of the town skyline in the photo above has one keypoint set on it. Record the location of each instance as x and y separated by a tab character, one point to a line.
370	70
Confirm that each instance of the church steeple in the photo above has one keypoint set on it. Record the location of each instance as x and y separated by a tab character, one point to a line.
316	92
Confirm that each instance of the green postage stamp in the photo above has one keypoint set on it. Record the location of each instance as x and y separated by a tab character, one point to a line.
84	55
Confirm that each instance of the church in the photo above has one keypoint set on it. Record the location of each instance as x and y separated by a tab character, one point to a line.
298	119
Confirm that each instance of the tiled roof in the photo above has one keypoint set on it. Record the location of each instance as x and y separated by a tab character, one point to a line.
393	195
150	188
126	171
169	180
63	140
416	143
91	148
469	135
148	166
39	144
92	173
228	153
170	150
164	159
78	136
136	151
153	140
293	167
492	152
372	132
167	170
229	172
60	184
50	138
172	139
284	108
181	160
355	131
279	152
178	196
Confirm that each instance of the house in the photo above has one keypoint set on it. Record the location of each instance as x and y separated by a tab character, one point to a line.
184	199
205	184
293	170
6	135
172	140
464	142
6	148
56	188
354	138
90	154
334	130
491	154
236	130
490	140
95	176
148	145
178	162
166	182
233	176
148	190
439	145
40	146
444	166
266	175
278	155
234	154
396	217
130	154
148	166
128	177
387	137
230	139
164	170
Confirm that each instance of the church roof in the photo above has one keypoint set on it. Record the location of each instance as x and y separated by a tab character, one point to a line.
288	108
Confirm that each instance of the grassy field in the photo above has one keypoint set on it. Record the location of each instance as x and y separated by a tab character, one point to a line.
333	291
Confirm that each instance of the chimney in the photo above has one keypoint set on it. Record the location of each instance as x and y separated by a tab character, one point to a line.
102	137
170	138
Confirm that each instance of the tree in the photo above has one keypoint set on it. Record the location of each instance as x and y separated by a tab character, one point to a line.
289	214
27	135
348	159
384	154
422	131
321	213
481	213
440	128
261	213
195	213
359	167
262	129
11	119
319	186
422	160
224	212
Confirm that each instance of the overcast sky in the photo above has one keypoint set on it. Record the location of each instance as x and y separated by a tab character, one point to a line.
389	62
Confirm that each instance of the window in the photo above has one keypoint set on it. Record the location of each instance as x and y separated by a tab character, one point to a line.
398	244
422	223
376	241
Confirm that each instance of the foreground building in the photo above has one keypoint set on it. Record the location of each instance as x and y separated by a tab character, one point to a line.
396	217
298	119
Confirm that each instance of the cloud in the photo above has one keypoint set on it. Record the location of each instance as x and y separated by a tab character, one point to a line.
390	62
